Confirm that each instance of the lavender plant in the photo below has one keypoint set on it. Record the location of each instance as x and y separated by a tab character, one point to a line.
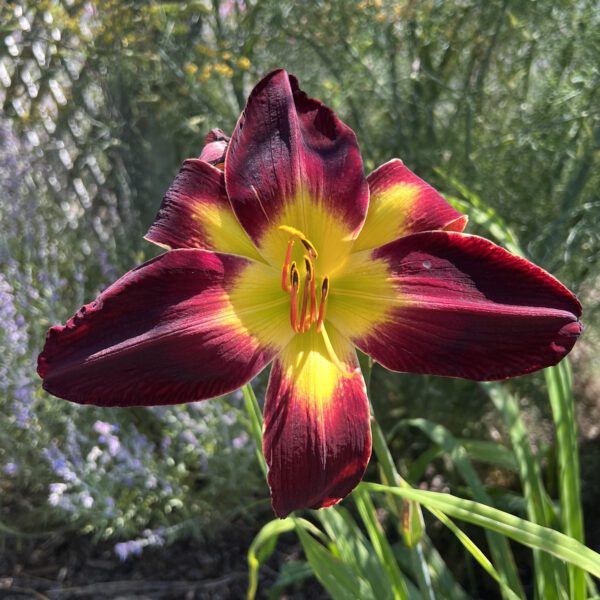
140	478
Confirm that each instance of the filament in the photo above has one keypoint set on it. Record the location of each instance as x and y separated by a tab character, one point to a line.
286	264
303	326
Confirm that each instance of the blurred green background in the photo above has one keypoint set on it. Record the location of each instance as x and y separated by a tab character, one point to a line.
490	101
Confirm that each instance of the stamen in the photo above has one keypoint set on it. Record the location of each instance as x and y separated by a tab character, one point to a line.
286	264
290	283
324	294
303	326
334	358
294	280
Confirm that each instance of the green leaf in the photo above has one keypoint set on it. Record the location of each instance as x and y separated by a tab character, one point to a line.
290	573
490	453
256	422
539	507
354	549
384	552
262	547
501	552
413	524
335	576
442	579
560	392
525	532
476	553
264	543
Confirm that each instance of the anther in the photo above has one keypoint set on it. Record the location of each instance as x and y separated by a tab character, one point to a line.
294	273
324	294
294	280
311	249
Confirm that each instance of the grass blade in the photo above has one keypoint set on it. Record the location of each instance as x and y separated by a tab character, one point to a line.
366	509
262	547
525	532
476	553
499	547
560	391
335	576
390	475
264	543
351	545
539	506
256	423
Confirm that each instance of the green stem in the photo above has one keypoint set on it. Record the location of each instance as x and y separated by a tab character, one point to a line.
256	423
390	476
560	391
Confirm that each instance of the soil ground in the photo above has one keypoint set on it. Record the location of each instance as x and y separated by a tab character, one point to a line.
62	568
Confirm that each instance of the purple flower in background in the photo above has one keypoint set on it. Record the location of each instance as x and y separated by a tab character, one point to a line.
240	441
229	418
103	428
135	547
11	468
59	464
56	493
106	436
125	549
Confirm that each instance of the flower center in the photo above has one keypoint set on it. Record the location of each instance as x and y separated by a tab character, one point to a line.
303	306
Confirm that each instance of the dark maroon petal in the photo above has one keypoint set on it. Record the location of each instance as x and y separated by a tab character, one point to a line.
290	148
195	213
467	308
215	146
317	435
164	333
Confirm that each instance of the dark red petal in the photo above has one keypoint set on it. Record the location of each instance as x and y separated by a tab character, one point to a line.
467	308
401	204
215	146
195	213
164	333
317	436
286	148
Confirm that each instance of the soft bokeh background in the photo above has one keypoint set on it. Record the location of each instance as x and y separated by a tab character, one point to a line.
493	102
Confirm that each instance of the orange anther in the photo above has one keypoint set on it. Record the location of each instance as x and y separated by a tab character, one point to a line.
294	280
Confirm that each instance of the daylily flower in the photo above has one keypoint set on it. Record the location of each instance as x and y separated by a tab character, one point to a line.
291	256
